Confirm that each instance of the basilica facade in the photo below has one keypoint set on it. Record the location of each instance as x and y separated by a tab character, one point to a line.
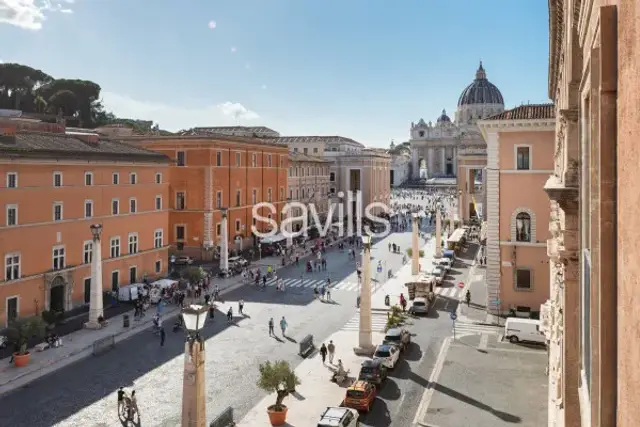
438	148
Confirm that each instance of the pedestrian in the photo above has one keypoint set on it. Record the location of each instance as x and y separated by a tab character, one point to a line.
207	297
271	327
323	353
121	394
332	351
230	315
212	310
241	306
162	337
283	326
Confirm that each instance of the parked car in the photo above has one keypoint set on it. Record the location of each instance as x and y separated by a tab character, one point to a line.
444	263
398	337
360	396
342	417
419	306
183	260
388	355
528	330
238	261
373	371
438	273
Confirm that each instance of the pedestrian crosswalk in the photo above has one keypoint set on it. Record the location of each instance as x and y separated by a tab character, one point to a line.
310	283
452	292
468	328
378	322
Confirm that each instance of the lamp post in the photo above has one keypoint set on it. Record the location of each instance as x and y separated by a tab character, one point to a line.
415	245
224	241
365	341
95	302
194	412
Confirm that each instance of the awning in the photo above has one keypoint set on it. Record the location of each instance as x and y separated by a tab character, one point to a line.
273	239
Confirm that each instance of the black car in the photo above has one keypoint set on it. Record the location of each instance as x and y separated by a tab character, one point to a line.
399	337
372	371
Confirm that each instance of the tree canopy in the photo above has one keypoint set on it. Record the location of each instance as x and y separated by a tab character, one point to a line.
34	91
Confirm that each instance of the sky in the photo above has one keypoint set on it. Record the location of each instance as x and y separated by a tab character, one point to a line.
363	69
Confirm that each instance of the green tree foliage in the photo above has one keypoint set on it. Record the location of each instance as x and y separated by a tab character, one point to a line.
279	378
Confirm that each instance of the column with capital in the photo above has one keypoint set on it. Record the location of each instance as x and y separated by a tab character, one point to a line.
438	232
224	241
365	339
95	302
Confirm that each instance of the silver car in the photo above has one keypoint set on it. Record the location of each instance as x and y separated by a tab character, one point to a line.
419	306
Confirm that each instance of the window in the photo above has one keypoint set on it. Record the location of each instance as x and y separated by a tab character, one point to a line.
87	252
133	178
421	134
218	158
180	232
133	205
218	199
332	176
291	194
87	290
180	200
88	178
58	257
12	180
57	179
269	160
254	160
218	229
295	150
290	171
133	274
115	207
523	227
158	239
281	193
523	278
158	178
254	196
12	266
57	211
269	194
114	247
115	178
158	203
237	225
180	158
315	150
305	150
238	159
88	208
523	158
12	215
281	161
332	190
238	197
13	309
115	280
133	243
158	266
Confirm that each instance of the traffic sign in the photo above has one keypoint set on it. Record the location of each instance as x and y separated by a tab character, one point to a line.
379	269
453	315
461	285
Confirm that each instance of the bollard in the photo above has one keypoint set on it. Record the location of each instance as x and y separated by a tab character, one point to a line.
306	346
125	321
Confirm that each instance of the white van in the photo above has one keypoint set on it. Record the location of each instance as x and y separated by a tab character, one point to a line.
527	330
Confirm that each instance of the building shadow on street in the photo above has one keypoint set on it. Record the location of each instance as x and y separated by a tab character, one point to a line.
504	416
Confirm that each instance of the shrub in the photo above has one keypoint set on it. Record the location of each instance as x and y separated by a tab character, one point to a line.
279	378
192	274
420	253
22	330
50	317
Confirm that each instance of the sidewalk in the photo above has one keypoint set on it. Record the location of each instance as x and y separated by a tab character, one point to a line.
316	390
79	345
476	312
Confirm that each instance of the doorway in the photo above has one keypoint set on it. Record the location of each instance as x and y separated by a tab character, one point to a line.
472	210
12	310
87	290
115	280
133	274
449	169
56	297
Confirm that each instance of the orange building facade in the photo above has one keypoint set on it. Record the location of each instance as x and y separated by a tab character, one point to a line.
53	187
210	173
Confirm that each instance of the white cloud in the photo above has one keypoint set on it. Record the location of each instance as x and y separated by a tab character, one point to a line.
212	24
234	49
29	14
173	118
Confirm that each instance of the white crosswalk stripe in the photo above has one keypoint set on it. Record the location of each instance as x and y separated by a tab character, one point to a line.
378	322
466	328
342	285
452	292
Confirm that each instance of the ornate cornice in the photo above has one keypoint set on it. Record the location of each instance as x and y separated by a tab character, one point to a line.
567	197
569	115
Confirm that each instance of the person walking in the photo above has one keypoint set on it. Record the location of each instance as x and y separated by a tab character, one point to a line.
230	315
163	335
271	334
467	297
241	306
283	326
323	353
212	310
332	351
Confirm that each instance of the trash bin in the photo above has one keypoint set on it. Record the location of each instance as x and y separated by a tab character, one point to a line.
125	321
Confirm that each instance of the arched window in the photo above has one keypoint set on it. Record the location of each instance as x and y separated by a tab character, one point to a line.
523	227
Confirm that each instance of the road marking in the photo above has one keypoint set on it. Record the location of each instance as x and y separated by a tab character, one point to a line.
435	374
484	341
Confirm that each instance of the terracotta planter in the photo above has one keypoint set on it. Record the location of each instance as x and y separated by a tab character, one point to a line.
277	418
21	360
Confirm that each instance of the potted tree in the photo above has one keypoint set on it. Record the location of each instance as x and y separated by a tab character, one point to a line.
19	334
279	378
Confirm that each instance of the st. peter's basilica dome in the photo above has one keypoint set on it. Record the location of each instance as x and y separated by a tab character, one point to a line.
480	91
444	118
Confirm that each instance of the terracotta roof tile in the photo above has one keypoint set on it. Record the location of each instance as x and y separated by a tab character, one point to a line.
527	112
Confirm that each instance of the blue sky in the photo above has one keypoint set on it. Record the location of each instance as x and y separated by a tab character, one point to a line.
356	68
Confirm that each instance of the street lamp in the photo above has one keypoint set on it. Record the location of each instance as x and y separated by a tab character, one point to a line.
96	311
193	396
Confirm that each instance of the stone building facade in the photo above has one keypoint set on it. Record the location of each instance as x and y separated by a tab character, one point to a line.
308	183
591	319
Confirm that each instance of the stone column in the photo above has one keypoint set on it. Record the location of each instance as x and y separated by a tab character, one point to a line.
365	340
415	163
224	241
95	302
443	161
415	245
430	161
194	413
438	233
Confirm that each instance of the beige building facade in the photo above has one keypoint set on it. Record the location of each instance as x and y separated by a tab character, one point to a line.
591	319
308	183
520	145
